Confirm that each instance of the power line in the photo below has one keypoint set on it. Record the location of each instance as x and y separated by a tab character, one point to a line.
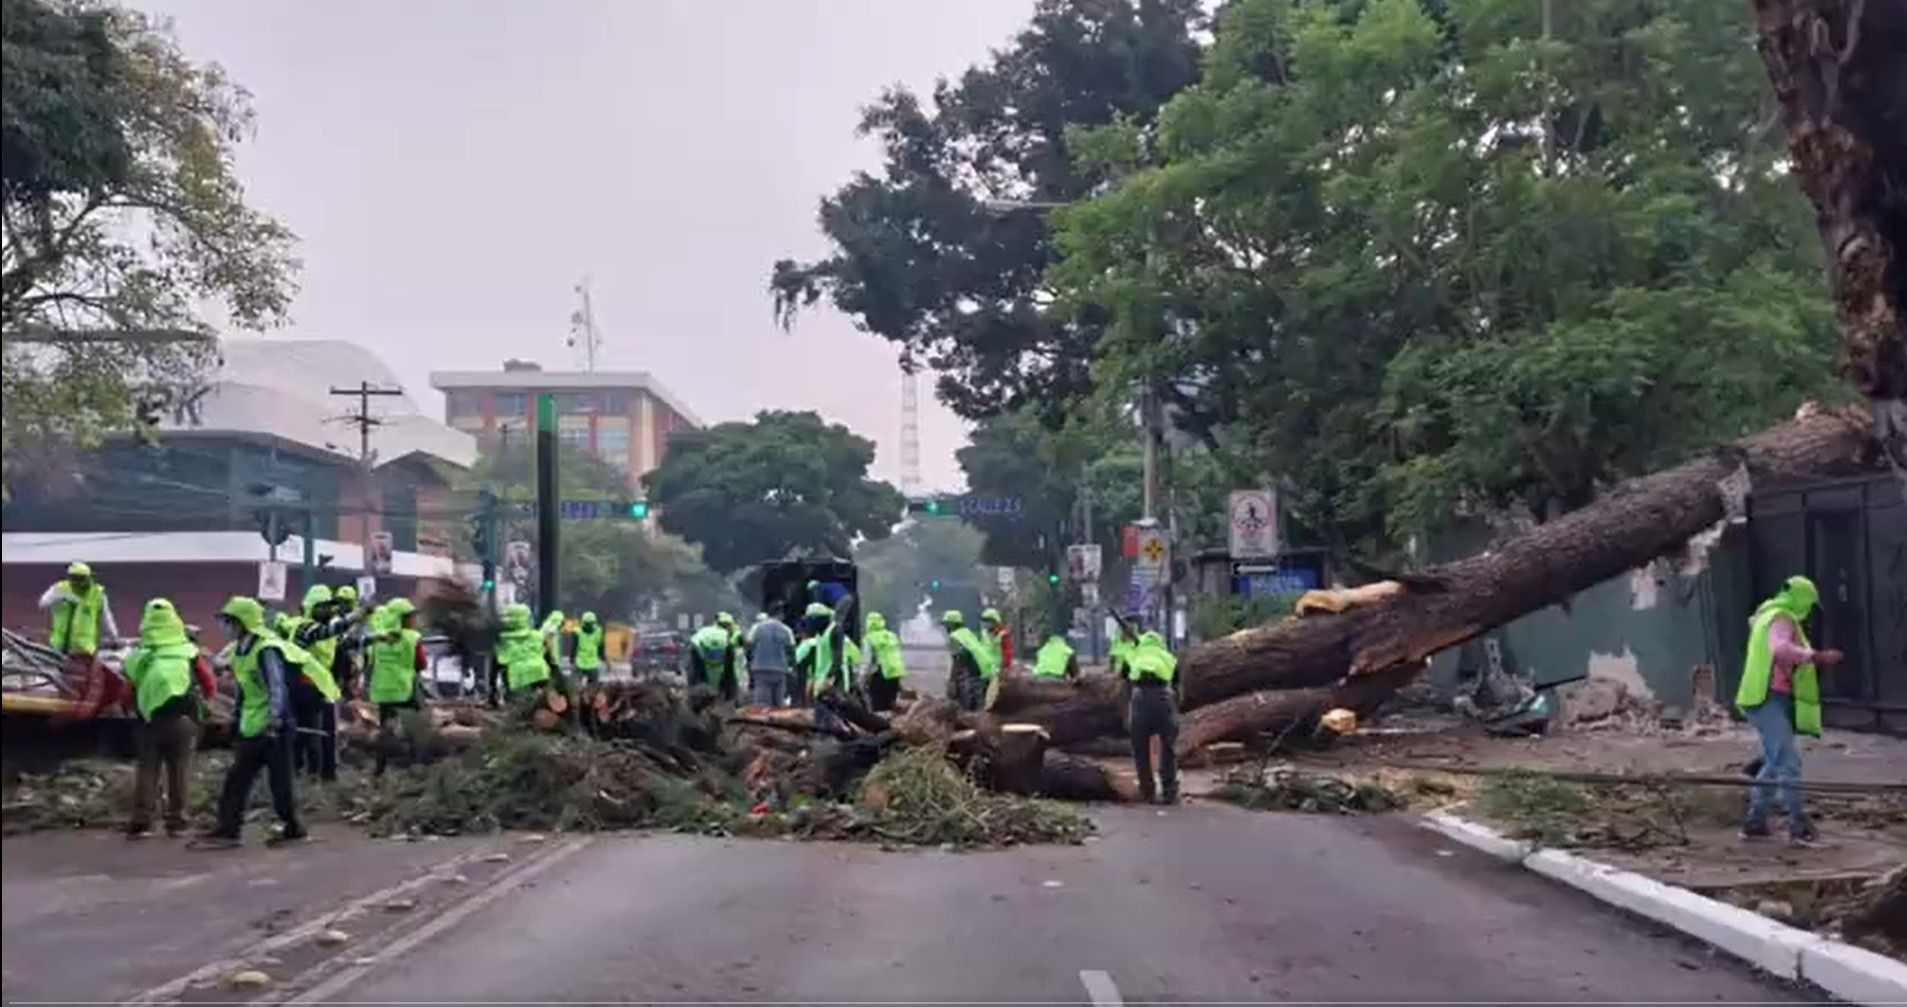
362	419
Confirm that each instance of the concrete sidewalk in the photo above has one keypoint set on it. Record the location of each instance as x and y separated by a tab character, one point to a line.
92	916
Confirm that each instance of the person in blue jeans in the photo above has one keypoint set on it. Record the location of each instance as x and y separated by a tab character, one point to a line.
1780	694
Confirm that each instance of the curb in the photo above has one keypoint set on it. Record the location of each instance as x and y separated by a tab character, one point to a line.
1850	973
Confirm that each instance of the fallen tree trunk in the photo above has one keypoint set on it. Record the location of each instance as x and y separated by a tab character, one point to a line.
1636	522
1245	718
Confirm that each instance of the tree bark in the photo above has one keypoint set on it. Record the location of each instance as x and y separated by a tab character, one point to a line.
1839	70
1324	656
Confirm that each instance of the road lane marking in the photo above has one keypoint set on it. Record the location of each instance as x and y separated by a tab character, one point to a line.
327	991
214	971
1099	986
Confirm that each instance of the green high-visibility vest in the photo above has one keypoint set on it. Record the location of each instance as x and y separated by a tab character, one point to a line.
1757	673
160	673
76	624
254	698
983	657
394	666
589	647
317	664
824	661
886	646
1150	658
1052	659
521	651
711	642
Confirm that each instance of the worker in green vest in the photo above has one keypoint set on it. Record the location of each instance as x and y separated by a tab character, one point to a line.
160	669
709	656
314	689
1152	674
262	662
831	662
396	656
520	652
886	665
589	649
345	662
974	663
1123	643
553	638
1780	694
1056	659
814	619
994	633
80	611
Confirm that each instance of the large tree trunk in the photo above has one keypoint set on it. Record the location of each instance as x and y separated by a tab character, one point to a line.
1323	656
1839	69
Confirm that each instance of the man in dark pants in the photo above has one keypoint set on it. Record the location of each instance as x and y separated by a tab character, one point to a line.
262	666
1154	713
161	670
396	656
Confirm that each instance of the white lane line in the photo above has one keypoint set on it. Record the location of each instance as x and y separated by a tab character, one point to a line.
328	990
212	971
1099	986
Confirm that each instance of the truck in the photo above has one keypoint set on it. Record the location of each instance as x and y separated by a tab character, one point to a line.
784	590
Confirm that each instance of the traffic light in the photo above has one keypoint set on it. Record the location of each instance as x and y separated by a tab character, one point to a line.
1052	579
932	507
638	509
267	500
933	585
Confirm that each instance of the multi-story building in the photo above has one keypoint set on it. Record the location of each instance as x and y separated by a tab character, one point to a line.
623	417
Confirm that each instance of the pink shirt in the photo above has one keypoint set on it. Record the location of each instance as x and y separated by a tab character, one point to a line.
1787	654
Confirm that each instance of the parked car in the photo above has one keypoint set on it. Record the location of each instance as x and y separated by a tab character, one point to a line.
657	651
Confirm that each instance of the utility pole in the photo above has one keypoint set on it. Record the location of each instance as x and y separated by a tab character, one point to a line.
582	327
362	419
547	504
910	433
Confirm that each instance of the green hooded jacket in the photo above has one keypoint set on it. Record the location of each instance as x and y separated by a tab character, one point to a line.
520	649
1795	601
1055	654
884	647
160	665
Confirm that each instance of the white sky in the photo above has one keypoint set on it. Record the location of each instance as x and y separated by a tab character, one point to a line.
452	167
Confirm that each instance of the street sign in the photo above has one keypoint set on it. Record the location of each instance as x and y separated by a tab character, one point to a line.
1083	562
1154	556
271	581
381	553
1004	576
506	593
1253	516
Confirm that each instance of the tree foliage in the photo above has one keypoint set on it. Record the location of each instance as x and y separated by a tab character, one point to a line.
785	483
1418	258
614	568
919	260
899	572
122	213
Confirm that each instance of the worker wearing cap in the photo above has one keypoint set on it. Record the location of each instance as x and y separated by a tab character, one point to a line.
831	661
80	611
711	656
261	662
973	662
314	690
1122	646
1056	659
886	665
589	649
1153	712
161	668
520	652
994	634
396	656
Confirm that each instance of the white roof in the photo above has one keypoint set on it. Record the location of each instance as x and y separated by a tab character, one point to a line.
281	388
107	547
563	381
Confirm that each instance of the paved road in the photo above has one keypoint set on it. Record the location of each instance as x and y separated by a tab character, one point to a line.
1201	903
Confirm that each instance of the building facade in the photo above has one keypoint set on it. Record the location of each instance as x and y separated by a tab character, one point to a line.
622	417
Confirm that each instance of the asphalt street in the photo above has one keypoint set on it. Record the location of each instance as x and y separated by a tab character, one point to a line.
1199	903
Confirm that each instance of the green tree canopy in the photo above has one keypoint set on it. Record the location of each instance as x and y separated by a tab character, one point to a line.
612	567
1421	258
918	259
784	483
125	225
897	573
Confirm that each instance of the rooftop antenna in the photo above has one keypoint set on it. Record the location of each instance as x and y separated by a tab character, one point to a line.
582	327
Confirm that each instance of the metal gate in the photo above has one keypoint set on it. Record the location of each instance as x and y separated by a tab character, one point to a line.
1850	537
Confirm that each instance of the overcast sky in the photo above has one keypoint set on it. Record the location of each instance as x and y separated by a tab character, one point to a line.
453	167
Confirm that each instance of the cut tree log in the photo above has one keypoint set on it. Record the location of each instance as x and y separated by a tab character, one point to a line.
1839	71
1076	778
1636	522
1292	713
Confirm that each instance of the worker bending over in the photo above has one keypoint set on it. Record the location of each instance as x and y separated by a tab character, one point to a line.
886	665
261	662
1056	659
974	663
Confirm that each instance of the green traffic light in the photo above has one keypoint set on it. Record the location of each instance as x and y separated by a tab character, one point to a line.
639	509
1052	578
489	585
933	506
935	585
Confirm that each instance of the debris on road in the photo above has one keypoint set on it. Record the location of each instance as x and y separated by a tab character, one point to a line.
1287	789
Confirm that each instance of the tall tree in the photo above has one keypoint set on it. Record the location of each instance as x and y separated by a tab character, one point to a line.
918	259
787	482
124	220
1421	258
900	572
